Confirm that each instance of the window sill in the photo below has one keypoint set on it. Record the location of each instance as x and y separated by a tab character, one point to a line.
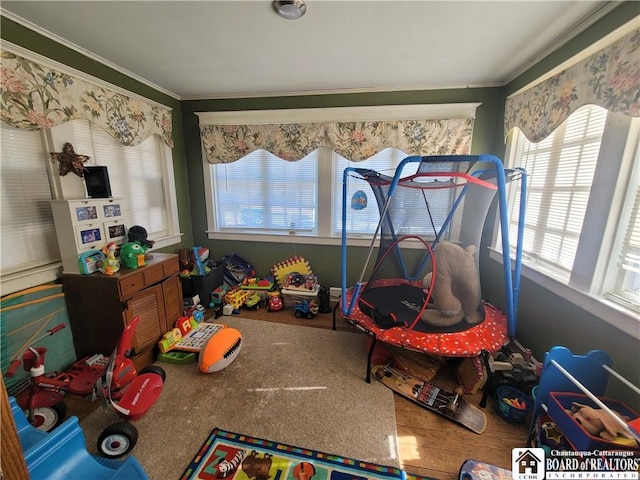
167	241
38	276
622	318
298	238
15	282
301	239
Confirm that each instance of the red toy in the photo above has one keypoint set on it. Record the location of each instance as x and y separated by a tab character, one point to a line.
275	302
130	393
42	400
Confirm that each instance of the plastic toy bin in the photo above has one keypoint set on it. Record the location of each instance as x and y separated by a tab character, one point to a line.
574	433
293	296
202	285
510	413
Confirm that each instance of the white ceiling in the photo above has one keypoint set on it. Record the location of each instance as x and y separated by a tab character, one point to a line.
212	49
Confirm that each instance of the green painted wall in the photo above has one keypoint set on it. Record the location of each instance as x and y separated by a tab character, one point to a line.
17	34
325	260
545	319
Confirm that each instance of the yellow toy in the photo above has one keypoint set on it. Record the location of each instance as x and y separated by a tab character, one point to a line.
169	339
236	297
110	264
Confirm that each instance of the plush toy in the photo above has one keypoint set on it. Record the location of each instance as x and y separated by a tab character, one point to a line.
139	234
132	255
456	290
600	424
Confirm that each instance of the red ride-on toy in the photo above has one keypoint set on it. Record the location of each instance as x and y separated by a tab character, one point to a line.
130	393
42	400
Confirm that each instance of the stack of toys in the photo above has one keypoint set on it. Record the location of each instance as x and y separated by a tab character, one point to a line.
296	281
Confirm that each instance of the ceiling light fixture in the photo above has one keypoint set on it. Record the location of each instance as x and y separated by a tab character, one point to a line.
290	9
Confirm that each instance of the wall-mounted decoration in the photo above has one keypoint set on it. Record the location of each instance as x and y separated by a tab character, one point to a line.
70	161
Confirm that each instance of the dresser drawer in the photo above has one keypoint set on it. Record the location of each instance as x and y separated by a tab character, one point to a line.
152	274
131	284
171	268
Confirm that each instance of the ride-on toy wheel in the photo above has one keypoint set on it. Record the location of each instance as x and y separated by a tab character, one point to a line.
48	418
117	440
154	369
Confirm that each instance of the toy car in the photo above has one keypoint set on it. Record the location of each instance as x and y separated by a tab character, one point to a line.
306	308
217	296
275	302
253	301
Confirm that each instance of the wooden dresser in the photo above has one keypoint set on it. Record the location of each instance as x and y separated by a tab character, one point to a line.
100	306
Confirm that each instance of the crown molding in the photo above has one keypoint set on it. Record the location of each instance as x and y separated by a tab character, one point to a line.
61	67
565	38
340	114
52	36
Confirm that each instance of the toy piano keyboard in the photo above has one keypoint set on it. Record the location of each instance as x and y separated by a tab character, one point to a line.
196	339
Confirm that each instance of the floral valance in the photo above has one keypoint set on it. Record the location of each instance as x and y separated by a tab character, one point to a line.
609	78
37	97
355	141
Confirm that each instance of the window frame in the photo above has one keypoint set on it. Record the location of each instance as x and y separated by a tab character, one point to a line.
172	235
591	279
326	166
69	187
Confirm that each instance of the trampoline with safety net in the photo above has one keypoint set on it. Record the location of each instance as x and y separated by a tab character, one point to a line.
429	200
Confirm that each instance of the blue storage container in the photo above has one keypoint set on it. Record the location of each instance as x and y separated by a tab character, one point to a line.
559	410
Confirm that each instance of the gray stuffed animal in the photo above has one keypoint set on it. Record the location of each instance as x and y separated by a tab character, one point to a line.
456	290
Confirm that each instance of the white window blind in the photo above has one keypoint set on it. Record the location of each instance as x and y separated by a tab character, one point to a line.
631	248
135	173
28	234
365	221
627	285
261	192
561	170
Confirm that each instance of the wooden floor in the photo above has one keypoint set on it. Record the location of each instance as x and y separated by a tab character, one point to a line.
428	444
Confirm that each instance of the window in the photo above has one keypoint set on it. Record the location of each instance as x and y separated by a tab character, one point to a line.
262	198
263	194
581	223
364	222
28	235
623	284
561	170
142	175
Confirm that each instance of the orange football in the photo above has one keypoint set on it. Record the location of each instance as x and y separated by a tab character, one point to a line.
220	350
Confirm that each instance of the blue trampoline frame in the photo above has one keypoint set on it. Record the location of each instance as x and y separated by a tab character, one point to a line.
511	277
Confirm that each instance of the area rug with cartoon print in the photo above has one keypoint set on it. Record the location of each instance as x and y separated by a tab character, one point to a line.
234	456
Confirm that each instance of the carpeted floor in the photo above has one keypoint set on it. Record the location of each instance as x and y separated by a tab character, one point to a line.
291	384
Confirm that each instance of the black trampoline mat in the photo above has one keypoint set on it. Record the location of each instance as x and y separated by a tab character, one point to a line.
404	302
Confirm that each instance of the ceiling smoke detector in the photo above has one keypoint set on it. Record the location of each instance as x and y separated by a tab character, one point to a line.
290	9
